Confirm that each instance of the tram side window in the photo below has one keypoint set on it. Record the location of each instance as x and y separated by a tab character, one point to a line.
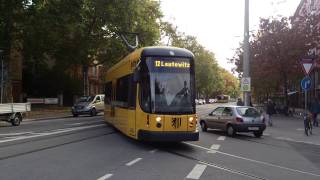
122	91
132	92
126	92
108	93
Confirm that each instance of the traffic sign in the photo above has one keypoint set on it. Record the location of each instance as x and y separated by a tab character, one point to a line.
246	84
306	83
307	65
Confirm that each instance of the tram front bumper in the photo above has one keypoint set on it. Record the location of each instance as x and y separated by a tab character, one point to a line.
167	136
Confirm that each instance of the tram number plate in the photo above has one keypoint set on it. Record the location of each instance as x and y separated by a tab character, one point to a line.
253	128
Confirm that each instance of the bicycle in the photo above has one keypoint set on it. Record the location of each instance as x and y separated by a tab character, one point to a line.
307	124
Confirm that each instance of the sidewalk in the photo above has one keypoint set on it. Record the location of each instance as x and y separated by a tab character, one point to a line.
48	113
292	129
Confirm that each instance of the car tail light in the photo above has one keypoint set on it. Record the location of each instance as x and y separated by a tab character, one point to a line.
240	120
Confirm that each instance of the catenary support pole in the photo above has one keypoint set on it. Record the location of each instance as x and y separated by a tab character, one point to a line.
246	53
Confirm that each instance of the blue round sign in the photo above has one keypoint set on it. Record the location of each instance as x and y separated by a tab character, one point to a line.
306	83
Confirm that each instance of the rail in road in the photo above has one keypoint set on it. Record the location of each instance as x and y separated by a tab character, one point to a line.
100	152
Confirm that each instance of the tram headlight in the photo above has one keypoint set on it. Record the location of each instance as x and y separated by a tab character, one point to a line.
158	119
190	119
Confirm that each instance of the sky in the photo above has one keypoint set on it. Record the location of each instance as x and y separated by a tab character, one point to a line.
218	24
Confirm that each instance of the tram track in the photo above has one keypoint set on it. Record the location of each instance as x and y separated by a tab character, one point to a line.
214	165
47	147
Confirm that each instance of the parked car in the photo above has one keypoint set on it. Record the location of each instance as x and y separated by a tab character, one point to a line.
91	105
233	119
201	101
212	101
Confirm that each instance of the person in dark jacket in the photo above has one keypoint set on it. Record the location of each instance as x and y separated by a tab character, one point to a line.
240	102
269	112
315	109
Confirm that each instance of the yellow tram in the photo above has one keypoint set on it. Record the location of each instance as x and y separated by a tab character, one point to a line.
149	95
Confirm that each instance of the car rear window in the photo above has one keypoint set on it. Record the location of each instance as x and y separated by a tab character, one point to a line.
247	111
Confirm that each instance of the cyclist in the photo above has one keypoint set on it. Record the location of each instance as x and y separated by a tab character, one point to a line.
307	122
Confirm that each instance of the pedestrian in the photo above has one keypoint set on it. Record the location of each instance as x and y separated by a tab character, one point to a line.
240	102
317	111
270	111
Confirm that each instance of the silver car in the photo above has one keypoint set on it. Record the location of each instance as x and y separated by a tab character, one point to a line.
88	105
234	119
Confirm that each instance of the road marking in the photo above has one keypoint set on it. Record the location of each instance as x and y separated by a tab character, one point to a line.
251	176
58	131
214	148
133	162
221	138
256	161
107	176
197	171
153	151
15	134
300	129
292	140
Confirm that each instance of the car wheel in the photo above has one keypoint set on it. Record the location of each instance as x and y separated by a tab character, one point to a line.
203	126
16	120
93	112
258	133
230	131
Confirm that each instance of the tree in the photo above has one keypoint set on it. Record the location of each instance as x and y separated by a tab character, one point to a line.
60	35
275	53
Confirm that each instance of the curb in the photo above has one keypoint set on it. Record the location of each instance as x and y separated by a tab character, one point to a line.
48	118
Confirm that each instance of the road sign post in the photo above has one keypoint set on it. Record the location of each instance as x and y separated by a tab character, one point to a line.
246	84
306	85
307	66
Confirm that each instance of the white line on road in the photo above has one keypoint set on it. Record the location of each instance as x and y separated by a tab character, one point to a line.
133	162
107	176
221	138
15	134
153	151
256	161
197	171
59	131
214	148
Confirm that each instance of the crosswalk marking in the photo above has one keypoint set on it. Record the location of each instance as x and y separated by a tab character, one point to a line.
221	138
107	176
197	171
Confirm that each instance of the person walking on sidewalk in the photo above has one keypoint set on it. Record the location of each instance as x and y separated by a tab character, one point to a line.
240	102
270	111
317	111
314	111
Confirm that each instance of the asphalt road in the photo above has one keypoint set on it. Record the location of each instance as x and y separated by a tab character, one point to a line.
86	148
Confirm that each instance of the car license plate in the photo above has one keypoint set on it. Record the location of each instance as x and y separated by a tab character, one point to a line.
253	128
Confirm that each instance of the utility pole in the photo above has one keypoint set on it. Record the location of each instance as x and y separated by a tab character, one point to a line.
246	53
2	74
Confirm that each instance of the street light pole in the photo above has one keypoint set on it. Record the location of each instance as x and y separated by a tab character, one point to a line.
246	52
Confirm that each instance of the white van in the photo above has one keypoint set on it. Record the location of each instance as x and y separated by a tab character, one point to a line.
91	105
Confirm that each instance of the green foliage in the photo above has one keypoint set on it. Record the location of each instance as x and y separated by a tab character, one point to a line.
55	35
211	79
275	53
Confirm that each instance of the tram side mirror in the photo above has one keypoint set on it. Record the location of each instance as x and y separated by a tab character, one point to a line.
136	75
